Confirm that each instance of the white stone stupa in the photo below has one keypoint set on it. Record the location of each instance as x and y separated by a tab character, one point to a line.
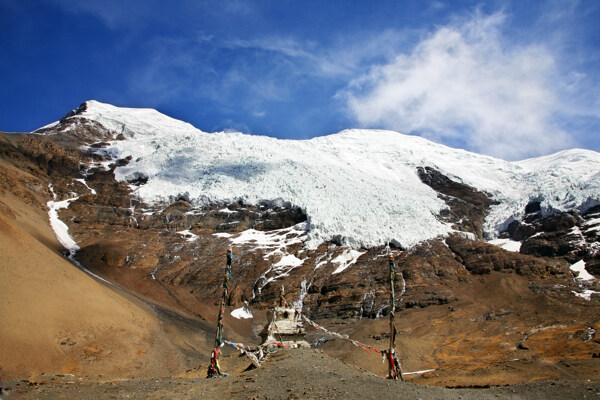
284	326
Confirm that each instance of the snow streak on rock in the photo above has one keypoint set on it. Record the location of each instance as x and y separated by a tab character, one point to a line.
299	304
279	270
586	294
60	228
346	259
82	181
275	242
418	372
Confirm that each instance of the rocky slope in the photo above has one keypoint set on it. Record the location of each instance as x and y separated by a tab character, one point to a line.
55	318
467	305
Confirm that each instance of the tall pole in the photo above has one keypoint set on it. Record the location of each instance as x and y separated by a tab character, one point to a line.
394	370
214	370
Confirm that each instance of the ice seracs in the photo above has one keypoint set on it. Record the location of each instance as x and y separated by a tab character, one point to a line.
359	188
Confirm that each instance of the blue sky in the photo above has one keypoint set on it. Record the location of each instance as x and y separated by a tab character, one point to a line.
512	79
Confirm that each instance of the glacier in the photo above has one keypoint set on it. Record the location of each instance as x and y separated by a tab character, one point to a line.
358	187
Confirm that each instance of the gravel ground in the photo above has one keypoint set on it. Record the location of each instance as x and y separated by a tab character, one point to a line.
297	374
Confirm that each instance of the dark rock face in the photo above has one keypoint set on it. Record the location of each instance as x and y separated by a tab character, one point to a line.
533	207
519	231
565	235
593	266
79	130
552	244
560	222
467	206
482	258
78	111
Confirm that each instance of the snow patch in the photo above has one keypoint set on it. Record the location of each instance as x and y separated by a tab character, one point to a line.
507	244
242	312
586	294
276	240
592	225
346	259
582	274
289	260
223	235
583	277
188	235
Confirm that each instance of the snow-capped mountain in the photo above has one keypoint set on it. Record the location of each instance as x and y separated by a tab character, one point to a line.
360	188
151	205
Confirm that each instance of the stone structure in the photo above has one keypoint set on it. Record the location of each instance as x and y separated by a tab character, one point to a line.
284	326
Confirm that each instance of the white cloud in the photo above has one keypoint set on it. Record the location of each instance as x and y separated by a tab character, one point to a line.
259	71
233	126
467	84
303	56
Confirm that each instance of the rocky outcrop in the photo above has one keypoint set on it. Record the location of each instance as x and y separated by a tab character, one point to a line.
482	258
467	207
566	235
78	130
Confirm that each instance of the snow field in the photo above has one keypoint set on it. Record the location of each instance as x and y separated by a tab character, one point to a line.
359	188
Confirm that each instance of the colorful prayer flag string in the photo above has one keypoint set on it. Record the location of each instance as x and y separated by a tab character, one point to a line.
365	347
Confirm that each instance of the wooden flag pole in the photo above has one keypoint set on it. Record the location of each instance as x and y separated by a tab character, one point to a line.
214	370
395	371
